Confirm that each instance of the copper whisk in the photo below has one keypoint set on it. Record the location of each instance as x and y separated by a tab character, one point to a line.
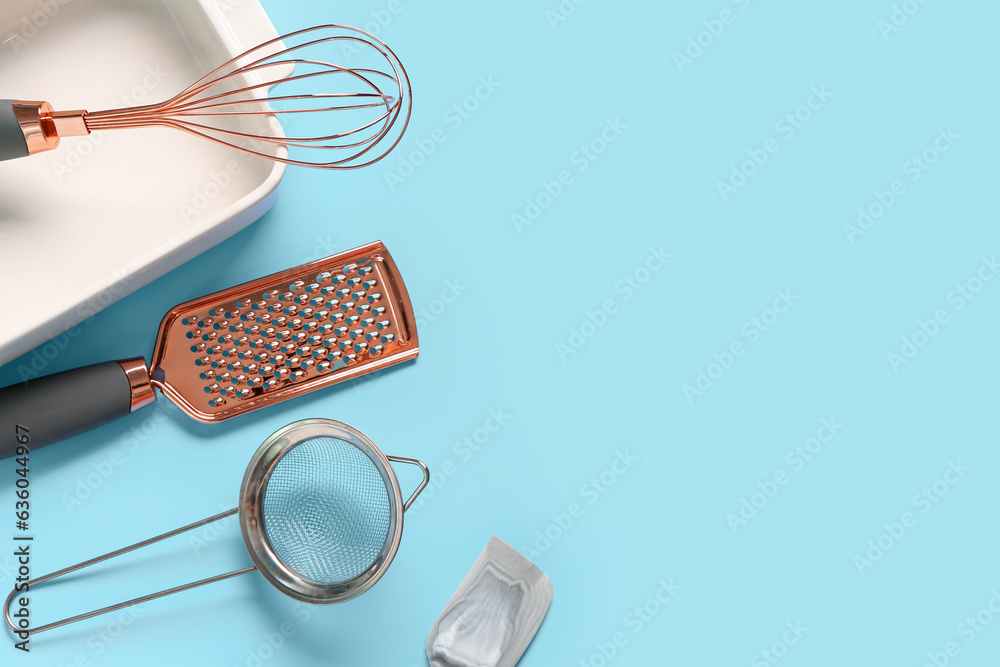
357	124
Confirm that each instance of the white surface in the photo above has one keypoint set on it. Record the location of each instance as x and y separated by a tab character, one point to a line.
88	223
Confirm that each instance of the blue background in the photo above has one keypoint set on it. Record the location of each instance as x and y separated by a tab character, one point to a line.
802	559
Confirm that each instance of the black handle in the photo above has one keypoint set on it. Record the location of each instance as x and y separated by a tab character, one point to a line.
61	405
12	142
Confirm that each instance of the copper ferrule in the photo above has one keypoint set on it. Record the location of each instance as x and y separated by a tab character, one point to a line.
43	127
139	383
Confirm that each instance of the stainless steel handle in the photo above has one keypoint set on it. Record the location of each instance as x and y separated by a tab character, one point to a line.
93	561
423	467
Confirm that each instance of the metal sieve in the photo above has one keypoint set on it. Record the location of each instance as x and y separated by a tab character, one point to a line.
320	511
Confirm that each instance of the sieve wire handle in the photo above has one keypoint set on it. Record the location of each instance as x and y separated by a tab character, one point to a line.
423	467
93	561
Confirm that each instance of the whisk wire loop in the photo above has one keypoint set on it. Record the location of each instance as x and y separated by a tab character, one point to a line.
240	89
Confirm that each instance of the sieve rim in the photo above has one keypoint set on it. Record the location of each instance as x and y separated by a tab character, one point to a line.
251	511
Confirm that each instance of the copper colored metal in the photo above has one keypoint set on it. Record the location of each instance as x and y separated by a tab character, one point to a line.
139	382
290	333
70	123
372	103
35	120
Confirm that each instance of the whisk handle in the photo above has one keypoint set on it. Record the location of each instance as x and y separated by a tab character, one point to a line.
12	142
58	406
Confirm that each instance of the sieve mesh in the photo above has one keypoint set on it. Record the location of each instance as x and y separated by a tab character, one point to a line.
326	511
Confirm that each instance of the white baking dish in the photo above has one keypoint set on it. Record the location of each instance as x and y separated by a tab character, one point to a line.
101	216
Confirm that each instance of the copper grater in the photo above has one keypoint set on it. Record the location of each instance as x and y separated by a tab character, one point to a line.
237	350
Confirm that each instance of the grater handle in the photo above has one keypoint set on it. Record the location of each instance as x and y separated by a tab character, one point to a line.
12	142
61	405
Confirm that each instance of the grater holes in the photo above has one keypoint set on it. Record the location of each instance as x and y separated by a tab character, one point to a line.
311	325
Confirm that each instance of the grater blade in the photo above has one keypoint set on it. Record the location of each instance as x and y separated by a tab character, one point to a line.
286	334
